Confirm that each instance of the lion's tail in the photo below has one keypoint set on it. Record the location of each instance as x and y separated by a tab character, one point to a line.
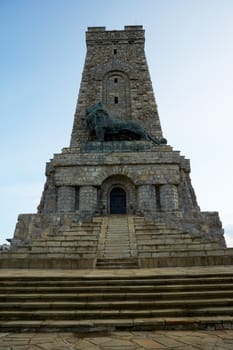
154	139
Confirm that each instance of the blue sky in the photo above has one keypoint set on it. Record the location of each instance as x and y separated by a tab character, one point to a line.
189	50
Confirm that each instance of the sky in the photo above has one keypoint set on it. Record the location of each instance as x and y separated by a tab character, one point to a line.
189	50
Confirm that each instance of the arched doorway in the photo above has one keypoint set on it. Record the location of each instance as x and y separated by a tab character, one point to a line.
117	201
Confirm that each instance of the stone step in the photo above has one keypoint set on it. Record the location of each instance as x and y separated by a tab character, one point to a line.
59	241
66	254
75	232
117	253
116	267
160	232
216	278
116	256
118	235
117	238
176	247
18	298
82	245
62	251
182	253
115	242
120	225
165	239
126	289
150	323
146	259
154	227
117	262
192	305
112	313
114	247
76	245
164	232
115	280
182	300
116	250
72	235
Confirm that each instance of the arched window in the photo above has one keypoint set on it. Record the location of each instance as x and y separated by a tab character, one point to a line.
116	94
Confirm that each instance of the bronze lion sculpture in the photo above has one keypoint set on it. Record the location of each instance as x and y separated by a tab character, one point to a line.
100	123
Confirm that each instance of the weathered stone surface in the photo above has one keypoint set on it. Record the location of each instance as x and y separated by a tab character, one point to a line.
167	340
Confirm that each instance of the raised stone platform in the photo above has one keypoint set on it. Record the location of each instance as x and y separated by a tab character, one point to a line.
113	241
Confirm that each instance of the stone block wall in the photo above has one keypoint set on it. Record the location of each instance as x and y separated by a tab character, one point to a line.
116	73
154	178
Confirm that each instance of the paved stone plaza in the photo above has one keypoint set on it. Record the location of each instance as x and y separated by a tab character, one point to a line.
179	340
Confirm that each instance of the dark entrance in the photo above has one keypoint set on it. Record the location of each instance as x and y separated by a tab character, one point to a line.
117	201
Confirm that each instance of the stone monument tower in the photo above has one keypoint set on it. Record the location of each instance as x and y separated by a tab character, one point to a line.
118	179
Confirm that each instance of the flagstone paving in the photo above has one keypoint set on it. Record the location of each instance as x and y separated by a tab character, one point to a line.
164	340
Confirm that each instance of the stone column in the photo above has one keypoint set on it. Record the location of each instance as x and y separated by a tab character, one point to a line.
66	199
87	199
146	199
169	197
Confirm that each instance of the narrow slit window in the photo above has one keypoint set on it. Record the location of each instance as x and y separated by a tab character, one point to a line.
115	99
115	80
114	51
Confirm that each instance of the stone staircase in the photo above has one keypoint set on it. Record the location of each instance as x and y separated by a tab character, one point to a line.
117	247
116	242
159	245
66	301
67	246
